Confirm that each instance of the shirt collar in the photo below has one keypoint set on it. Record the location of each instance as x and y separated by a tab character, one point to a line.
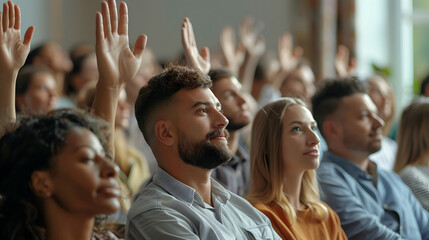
185	193
351	168
173	186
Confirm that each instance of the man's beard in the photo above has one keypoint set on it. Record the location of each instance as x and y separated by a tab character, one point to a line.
203	154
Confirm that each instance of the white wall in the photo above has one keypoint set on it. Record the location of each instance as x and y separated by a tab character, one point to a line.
159	19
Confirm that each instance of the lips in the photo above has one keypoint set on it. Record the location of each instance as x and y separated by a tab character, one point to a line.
111	190
312	153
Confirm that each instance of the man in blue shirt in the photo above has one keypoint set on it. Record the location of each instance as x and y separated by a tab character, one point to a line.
372	203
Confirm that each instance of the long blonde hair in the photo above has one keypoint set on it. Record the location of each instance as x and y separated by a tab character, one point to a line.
413	135
267	168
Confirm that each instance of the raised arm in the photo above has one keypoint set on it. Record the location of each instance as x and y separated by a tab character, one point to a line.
13	53
117	64
234	56
254	44
200	61
289	58
344	66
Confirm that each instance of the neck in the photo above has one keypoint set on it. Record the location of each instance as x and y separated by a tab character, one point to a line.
65	225
195	177
234	137
358	158
292	189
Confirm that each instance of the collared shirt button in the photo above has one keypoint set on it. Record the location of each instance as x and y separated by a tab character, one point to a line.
385	206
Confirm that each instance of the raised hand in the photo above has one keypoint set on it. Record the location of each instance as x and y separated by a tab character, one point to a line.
234	56
116	62
288	55
200	61
344	67
13	53
251	38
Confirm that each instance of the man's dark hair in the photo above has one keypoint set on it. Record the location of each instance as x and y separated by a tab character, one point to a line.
37	51
161	88
424	86
329	94
216	74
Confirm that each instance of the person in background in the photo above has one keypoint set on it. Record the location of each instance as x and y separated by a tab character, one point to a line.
284	156
235	174
381	93
412	160
36	90
372	203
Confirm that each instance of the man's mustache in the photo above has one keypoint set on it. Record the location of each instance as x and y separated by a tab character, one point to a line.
218	132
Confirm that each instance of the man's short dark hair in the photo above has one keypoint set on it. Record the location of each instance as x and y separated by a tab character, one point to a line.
161	88
216	74
328	96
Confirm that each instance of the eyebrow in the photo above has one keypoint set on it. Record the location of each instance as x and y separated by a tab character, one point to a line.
300	122
206	103
85	146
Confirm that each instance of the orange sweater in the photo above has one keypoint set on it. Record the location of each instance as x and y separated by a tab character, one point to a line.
305	227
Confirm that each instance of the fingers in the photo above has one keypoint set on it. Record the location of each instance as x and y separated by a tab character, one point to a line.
17	24
140	46
185	35
190	32
106	19
285	44
123	19
5	17
113	16
99	28
11	14
205	53
28	35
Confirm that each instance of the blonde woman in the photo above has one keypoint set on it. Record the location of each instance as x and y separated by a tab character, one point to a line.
412	160
284	155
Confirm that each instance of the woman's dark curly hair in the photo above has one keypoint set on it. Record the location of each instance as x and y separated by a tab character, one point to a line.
29	146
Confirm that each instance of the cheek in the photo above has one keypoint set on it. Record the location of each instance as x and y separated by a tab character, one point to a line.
76	191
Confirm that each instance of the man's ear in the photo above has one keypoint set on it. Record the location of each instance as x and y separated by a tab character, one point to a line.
42	183
331	130
164	133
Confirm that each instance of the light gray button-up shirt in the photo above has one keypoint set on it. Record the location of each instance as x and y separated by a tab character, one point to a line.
169	209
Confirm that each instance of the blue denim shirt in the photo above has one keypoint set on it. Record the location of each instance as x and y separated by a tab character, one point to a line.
376	206
169	209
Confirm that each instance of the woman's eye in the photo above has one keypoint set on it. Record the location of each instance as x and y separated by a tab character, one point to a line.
203	110
314	128
296	129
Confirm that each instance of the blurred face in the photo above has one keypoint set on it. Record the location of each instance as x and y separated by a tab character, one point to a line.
360	126
379	92
55	58
41	94
235	108
88	73
300	143
201	134
300	84
84	179
122	119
